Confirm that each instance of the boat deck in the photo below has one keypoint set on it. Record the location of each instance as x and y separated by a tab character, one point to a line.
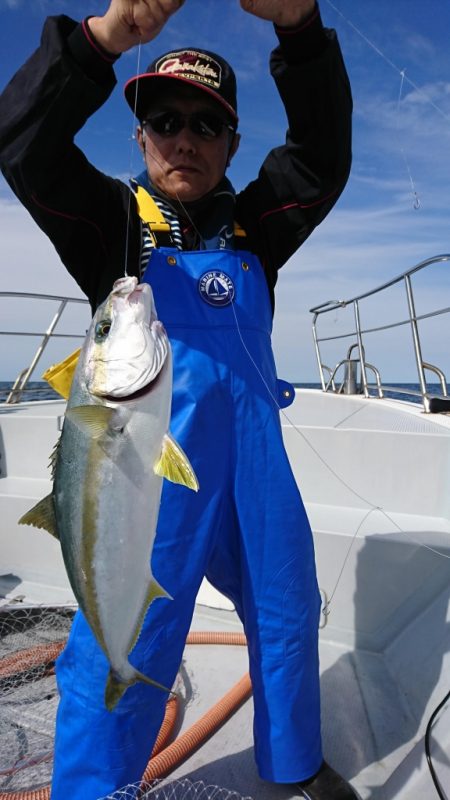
372	721
371	730
385	650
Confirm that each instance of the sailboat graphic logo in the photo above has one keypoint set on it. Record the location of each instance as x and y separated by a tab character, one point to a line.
216	288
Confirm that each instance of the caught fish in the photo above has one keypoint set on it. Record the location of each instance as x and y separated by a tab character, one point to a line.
108	468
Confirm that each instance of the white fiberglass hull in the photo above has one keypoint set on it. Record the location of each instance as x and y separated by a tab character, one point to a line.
374	477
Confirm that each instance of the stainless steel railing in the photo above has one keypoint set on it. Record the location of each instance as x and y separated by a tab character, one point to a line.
352	364
20	384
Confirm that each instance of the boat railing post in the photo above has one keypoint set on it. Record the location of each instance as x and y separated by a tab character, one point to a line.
16	391
26	374
362	357
317	351
376	372
416	341
440	375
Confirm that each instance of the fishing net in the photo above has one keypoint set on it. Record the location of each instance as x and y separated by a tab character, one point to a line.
175	790
30	641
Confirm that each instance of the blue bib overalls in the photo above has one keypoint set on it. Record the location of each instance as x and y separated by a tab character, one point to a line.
246	530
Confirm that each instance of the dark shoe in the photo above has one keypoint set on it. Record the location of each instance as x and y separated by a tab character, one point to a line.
326	784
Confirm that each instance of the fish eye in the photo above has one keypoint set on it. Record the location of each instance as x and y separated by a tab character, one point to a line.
102	330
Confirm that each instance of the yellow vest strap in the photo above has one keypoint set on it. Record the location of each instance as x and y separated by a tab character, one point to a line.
238	231
149	211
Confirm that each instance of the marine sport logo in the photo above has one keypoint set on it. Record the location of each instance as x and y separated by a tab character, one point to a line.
216	288
192	65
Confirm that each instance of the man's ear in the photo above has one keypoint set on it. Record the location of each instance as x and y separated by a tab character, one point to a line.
234	147
140	138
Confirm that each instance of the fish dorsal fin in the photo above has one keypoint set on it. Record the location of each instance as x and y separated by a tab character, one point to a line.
174	464
42	515
92	420
53	458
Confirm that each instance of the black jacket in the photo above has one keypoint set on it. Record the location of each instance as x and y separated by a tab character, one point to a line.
84	212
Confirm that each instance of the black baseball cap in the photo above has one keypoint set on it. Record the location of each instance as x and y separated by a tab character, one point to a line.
202	69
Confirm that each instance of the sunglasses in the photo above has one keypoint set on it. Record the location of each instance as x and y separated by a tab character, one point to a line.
203	123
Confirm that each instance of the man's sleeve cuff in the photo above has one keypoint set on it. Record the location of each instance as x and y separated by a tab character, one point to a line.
305	41
89	54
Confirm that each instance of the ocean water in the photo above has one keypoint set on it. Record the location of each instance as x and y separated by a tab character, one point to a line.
396	391
36	390
39	390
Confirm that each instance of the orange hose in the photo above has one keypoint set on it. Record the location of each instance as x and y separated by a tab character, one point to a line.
163	759
168	724
24	660
215	637
181	748
34	794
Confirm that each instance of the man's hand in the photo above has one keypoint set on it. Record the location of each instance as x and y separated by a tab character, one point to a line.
129	22
286	13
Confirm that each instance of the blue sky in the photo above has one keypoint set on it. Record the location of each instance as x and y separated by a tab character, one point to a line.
398	61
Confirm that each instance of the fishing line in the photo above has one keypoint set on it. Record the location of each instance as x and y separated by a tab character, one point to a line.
372	506
182	207
160	164
416	202
188	217
389	62
130	169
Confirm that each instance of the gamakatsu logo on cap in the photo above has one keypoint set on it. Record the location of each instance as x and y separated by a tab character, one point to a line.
192	65
216	288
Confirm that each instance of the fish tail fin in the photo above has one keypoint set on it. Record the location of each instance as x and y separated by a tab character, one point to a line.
116	688
141	677
114	691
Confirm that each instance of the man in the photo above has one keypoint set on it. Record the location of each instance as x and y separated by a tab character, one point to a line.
213	269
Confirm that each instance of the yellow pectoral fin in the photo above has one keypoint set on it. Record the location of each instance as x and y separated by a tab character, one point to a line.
92	420
174	464
42	515
59	376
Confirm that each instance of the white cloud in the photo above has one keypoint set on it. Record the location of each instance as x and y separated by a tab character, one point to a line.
351	253
30	264
416	46
419	114
29	259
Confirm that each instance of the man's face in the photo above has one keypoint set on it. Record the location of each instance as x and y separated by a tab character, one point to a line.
186	166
